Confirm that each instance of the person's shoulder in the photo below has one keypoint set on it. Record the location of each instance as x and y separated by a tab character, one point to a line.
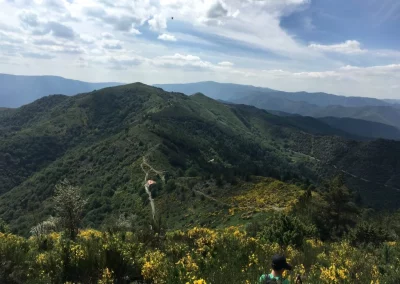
263	278
285	281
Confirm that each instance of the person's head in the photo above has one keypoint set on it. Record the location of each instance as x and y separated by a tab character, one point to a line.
279	264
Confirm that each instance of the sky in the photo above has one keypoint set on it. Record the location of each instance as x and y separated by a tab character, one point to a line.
344	47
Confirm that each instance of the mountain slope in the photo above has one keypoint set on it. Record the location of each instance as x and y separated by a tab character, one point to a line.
388	115
306	104
98	141
278	104
357	129
234	92
18	90
381	114
363	128
393	101
217	91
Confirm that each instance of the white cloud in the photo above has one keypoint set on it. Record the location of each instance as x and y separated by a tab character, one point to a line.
58	5
225	64
116	62
87	39
217	10
112	44
347	47
253	23
65	49
123	62
281	7
188	38
60	30
8	28
388	53
347	72
181	60
118	18
134	31
37	55
391	70
167	37
107	35
372	81
30	21
158	23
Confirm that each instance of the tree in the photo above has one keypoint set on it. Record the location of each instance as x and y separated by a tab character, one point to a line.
337	214
45	227
4	227
342	209
69	205
171	185
366	233
285	230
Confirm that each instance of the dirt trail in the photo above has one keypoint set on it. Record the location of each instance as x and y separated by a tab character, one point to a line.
147	171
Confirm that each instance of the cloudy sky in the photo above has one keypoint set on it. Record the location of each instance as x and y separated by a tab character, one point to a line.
347	47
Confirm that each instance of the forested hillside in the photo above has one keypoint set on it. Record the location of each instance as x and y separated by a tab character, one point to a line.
98	140
363	128
382	114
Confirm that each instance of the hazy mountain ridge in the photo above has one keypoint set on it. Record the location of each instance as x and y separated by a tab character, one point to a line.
308	104
381	114
393	101
17	90
233	92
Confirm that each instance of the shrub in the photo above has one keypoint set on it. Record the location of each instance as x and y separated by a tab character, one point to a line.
285	231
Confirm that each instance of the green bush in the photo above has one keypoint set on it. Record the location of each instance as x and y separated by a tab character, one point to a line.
285	230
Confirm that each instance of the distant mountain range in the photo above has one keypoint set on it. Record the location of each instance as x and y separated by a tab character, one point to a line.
234	92
16	90
358	128
384	113
392	101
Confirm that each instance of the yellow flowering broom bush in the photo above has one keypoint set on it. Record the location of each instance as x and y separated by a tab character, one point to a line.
194	256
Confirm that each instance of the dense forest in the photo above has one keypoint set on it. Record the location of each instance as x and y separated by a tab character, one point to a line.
233	185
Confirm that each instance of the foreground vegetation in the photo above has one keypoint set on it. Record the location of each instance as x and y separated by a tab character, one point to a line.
198	255
324	236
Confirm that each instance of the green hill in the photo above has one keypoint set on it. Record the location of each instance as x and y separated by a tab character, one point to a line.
98	140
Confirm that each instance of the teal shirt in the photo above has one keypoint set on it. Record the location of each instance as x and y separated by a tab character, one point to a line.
263	278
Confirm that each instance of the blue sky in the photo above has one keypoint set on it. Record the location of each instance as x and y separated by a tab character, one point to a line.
372	22
347	47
